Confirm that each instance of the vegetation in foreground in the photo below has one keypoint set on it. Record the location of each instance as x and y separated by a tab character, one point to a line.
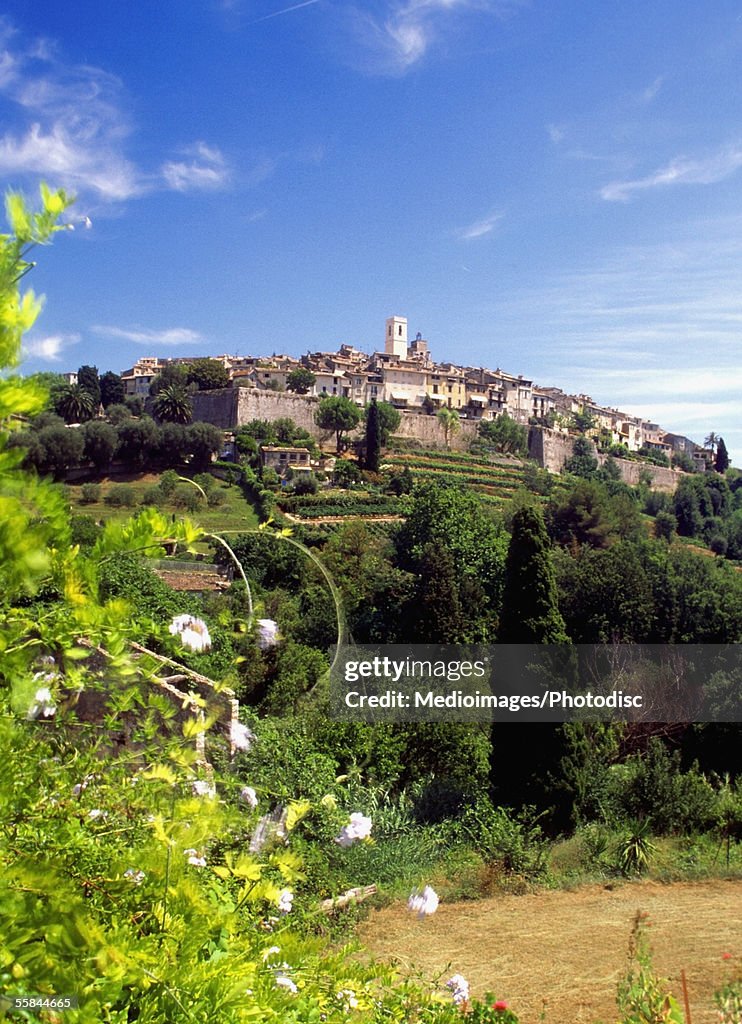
159	886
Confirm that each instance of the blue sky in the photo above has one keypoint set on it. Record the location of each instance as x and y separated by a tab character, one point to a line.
554	188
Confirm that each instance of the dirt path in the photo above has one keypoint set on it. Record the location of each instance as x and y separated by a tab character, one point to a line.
567	949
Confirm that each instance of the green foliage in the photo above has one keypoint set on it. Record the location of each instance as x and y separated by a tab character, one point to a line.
582	421
505	435
582	462
74	404
204	441
173	405
90	493
373	438
389	419
530	613
112	391
337	414
346	473
665	525
207	374
300	381
100	440
450	421
121	496
643	997
171	375
88	380
721	462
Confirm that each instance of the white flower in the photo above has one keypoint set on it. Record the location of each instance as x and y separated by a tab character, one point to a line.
348	998
285	982
285	901
271	951
42	704
249	796
240	736
423	903
267	633
194	633
359	827
459	987
201	787
80	787
135	875
194	859
97	813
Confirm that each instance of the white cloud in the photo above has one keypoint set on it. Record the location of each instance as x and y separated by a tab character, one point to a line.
71	126
480	228
145	336
401	36
680	171
205	170
556	133
50	348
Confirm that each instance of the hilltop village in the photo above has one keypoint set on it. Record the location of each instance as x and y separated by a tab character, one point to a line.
405	375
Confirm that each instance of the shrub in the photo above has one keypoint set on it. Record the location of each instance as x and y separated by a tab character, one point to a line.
85	531
153	496
216	498
188	498
168	482
121	496
89	494
306	483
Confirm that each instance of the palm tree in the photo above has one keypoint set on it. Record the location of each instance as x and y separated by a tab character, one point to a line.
711	441
74	404
173	405
449	420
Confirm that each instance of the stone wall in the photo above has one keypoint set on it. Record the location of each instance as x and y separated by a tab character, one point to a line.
551	449
428	430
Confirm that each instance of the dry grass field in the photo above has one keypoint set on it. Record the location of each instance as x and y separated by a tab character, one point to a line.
560	954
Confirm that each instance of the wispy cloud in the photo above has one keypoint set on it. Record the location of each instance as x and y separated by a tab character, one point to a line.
71	125
404	32
480	227
206	169
50	348
146	336
680	171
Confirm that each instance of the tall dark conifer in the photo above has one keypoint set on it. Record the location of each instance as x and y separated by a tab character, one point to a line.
373	438
721	463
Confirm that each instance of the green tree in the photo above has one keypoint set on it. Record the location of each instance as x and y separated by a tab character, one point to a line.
138	441
338	414
721	462
450	422
88	380
74	404
373	438
530	611
300	381
173	405
170	374
62	449
582	462
711	440
583	421
100	440
112	390
437	614
207	374
204	441
505	435
389	420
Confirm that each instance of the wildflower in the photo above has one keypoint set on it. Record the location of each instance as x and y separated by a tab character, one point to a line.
285	982
97	813
459	988
271	951
726	956
249	796
359	827
285	901
500	1005
194	633
267	634
79	788
135	875
43	705
348	998
240	736
194	858
423	903
201	787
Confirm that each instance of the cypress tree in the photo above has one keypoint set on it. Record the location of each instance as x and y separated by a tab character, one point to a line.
530	613
721	464
373	438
